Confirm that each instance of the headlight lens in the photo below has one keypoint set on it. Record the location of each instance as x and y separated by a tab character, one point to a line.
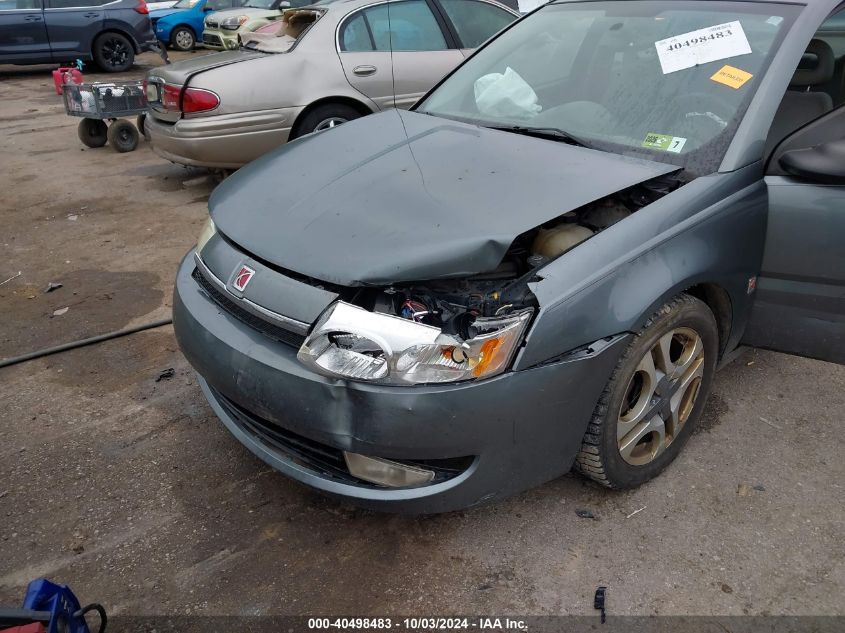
234	23
207	232
350	342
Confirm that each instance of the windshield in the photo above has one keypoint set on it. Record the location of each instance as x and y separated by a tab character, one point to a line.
185	4
668	81
262	4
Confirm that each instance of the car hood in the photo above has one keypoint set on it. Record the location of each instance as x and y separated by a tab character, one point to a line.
157	14
252	12
401	196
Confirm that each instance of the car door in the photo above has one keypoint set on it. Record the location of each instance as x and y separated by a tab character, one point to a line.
72	26
400	46
474	21
23	35
800	296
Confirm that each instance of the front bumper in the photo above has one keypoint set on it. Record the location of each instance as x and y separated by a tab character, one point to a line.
520	429
219	39
225	141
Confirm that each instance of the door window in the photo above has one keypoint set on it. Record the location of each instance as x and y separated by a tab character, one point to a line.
355	36
408	26
76	4
20	5
818	85
476	22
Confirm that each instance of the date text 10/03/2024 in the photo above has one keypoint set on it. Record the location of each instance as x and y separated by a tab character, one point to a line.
418	624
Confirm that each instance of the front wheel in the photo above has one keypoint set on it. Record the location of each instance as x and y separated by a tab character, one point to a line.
654	398
113	52
183	39
324	117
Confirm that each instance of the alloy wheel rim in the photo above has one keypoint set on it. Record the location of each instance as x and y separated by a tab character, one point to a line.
184	40
115	52
327	124
660	396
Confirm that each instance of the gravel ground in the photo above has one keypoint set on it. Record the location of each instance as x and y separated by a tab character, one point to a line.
128	488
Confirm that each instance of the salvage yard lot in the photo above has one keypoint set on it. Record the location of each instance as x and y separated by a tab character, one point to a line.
127	488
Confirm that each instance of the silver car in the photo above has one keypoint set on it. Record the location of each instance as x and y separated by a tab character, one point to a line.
325	64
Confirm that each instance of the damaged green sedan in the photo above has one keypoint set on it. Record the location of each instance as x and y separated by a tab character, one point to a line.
539	266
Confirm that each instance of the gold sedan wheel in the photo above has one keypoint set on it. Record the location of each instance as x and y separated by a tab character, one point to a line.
660	396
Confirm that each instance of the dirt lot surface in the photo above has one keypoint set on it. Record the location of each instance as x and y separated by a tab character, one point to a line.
131	491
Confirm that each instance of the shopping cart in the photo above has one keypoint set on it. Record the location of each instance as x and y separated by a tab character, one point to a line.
101	102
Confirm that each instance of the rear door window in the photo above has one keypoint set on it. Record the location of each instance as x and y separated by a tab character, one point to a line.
76	4
476	21
355	36
407	26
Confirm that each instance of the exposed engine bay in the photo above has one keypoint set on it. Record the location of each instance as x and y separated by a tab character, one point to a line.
455	304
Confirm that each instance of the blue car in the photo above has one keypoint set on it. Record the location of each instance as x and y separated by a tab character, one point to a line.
181	25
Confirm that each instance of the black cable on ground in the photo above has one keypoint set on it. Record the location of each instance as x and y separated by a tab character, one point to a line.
82	343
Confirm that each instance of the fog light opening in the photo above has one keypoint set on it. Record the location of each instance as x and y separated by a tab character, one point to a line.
384	472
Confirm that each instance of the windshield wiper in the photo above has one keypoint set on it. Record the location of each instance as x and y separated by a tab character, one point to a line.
553	133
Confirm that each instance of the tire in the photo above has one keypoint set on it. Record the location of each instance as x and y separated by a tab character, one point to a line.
113	52
139	123
123	136
182	38
93	132
324	117
647	401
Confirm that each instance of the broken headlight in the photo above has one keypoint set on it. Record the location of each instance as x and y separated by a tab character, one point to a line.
353	343
207	232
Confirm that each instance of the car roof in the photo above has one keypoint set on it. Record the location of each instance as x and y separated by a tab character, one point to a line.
354	4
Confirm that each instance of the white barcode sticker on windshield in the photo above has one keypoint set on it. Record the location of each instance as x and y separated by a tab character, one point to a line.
702	46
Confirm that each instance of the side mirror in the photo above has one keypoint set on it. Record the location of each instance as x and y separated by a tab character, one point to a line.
207	9
824	164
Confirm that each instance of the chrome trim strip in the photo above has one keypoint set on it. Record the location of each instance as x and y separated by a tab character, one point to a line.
292	325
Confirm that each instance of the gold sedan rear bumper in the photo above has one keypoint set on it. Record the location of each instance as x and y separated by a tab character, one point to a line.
225	141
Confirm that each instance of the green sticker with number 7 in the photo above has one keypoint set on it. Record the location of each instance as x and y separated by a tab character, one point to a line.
664	142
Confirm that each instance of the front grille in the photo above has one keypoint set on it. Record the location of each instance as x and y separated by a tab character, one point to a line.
275	332
325	460
214	40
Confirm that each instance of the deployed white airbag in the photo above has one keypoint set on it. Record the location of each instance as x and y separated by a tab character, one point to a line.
505	95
